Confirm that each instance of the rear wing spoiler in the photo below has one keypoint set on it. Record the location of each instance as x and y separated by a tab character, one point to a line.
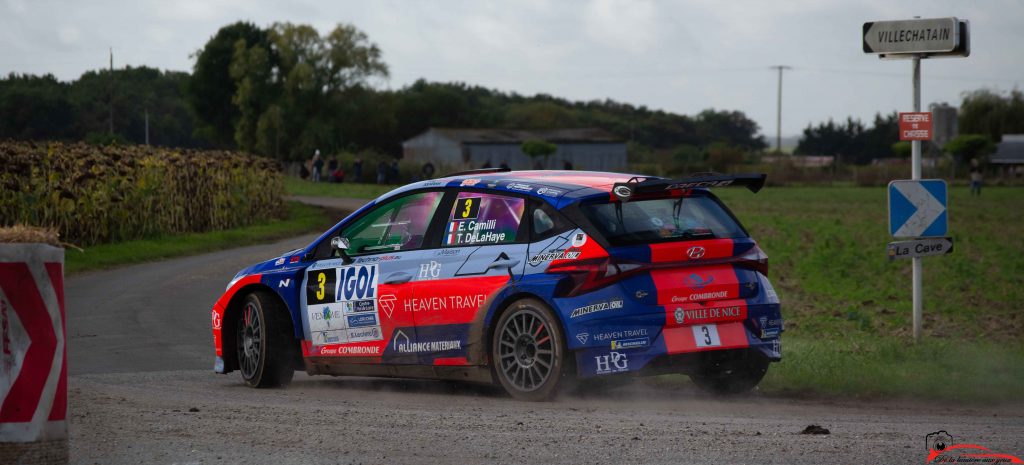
639	186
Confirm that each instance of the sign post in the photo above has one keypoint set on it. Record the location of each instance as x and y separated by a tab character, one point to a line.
916	39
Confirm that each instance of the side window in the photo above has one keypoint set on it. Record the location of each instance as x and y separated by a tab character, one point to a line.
397	225
546	221
482	219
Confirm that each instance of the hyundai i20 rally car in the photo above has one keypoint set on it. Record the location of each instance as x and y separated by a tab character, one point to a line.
521	278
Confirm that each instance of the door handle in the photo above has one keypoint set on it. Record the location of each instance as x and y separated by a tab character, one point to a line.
397	277
510	263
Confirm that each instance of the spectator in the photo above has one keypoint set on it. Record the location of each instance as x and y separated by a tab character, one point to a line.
976	179
428	170
338	175
303	171
332	165
393	178
382	172
318	166
357	169
567	165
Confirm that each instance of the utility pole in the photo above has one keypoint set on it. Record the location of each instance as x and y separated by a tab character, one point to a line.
778	114
147	126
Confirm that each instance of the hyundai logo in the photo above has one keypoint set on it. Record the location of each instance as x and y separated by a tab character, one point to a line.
695	252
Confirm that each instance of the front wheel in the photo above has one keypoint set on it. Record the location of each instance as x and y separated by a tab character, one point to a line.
528	351
736	378
264	342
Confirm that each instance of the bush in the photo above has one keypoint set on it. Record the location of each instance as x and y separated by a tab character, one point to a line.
96	194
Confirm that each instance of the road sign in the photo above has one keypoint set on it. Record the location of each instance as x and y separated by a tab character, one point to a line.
934	35
917	208
920	248
916	126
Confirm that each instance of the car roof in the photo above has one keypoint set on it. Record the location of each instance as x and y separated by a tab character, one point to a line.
557	187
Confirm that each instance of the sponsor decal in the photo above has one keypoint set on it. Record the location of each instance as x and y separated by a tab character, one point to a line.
358	282
364	334
444	303
635	343
403	345
469	182
700	296
640	294
708	314
623	334
279	262
579	239
614	362
293	259
337	336
777	346
691	185
387	303
552	255
518	186
376	259
430	270
943	449
350	350
285	283
432	183
362	319
549	192
657	222
695	252
215	316
582	337
358	306
622	191
696	281
447	252
323	317
598	307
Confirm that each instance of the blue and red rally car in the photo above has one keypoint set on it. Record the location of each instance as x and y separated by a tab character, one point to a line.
521	278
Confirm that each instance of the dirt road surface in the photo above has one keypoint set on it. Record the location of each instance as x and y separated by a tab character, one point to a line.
142	390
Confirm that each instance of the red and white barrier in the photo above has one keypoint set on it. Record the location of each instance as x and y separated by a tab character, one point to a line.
33	361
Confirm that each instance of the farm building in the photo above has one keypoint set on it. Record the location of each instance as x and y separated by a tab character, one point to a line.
1009	156
458	149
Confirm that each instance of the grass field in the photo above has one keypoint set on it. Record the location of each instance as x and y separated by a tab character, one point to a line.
301	219
848	308
296	186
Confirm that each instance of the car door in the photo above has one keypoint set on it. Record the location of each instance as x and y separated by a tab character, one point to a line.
482	249
350	306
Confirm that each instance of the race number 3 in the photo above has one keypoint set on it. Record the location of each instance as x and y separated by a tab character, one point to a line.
706	335
467	208
320	286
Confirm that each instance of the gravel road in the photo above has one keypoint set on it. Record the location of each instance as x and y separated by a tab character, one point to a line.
142	390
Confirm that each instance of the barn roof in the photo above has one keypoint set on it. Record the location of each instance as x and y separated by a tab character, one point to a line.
517	136
1010	151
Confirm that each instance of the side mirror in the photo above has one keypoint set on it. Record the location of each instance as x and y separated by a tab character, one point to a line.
341	244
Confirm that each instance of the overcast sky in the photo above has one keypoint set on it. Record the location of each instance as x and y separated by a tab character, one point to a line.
673	55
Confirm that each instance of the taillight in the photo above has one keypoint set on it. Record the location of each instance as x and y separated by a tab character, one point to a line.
754	259
583	276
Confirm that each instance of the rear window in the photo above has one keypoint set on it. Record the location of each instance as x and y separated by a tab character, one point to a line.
662	220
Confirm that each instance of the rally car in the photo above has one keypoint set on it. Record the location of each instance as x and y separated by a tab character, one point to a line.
526	279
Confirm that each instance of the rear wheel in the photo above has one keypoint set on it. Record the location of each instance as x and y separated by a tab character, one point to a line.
736	377
264	342
528	351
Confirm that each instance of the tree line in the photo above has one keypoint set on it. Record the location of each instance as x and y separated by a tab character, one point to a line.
286	90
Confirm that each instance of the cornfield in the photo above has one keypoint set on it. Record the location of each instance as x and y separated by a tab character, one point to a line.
97	194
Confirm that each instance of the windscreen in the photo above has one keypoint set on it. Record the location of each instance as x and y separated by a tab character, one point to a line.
662	220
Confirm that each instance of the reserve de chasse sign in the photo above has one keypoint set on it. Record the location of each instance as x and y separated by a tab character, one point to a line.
916	126
936	35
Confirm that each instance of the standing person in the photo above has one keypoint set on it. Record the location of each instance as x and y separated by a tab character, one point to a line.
332	165
428	170
393	178
318	166
382	172
976	179
567	165
357	169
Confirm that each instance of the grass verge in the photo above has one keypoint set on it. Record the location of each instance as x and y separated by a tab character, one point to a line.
301	218
296	186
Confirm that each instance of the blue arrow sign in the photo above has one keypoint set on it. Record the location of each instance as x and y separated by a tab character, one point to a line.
917	208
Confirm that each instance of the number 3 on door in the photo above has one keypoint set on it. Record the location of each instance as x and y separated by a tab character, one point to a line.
706	335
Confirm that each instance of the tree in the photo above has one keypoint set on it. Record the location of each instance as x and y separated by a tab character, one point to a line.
539	115
902	149
211	87
538	148
731	127
969	146
992	114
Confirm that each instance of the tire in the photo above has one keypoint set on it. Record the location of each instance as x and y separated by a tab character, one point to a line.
736	378
264	343
528	351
